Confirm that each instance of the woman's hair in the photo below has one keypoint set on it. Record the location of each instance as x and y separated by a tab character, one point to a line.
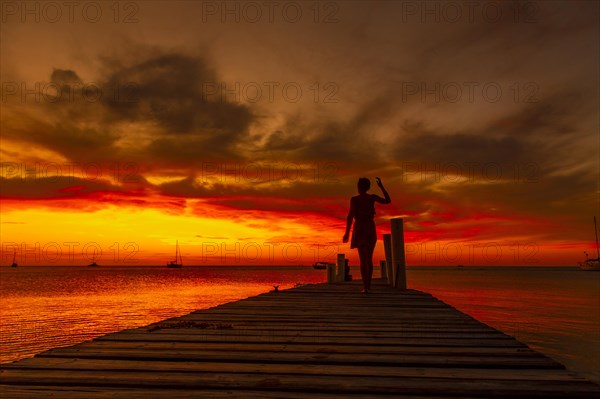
364	184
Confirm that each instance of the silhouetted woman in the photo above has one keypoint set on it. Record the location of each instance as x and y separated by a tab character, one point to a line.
364	235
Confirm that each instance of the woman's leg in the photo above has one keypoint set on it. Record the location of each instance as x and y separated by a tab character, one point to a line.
363	254
371	249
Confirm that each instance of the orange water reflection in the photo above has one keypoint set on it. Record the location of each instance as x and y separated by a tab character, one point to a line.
47	307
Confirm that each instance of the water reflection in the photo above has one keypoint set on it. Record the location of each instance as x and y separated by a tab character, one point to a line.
47	307
555	311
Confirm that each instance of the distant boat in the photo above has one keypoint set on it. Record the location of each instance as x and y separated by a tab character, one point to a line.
14	263
592	264
178	262
320	265
93	264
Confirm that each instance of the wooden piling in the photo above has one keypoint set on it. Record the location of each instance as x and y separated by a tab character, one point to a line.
398	257
383	269
387	246
341	265
347	275
330	273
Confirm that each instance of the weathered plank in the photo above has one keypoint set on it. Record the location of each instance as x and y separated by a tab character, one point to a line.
296	338
464	334
307	348
74	392
316	369
387	359
342	328
300	383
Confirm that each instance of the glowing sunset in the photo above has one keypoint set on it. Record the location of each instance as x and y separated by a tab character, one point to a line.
260	199
253	134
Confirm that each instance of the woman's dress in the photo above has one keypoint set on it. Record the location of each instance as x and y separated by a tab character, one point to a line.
363	232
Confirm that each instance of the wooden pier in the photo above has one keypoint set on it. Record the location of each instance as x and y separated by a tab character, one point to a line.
313	341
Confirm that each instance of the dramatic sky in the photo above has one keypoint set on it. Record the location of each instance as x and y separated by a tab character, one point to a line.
239	129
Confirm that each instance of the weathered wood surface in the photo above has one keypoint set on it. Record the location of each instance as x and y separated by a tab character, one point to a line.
316	341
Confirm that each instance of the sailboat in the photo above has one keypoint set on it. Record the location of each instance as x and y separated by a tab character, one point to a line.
93	264
592	264
320	265
178	262
14	263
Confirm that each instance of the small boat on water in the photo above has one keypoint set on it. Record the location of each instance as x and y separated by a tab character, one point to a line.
93	264
14	262
320	265
592	264
178	262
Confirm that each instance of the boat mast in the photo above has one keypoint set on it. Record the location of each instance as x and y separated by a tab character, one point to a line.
177	253
596	231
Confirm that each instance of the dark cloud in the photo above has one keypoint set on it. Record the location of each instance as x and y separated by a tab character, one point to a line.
175	91
64	76
53	187
537	139
164	91
300	193
461	149
330	138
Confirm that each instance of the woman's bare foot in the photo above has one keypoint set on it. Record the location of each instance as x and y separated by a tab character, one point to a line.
364	291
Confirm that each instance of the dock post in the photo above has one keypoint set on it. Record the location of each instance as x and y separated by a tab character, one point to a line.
387	246
398	257
383	270
341	265
330	273
347	276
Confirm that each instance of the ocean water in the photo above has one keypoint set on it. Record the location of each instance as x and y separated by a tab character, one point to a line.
553	310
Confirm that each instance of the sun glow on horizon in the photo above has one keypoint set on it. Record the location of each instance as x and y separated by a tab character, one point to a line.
215	235
130	235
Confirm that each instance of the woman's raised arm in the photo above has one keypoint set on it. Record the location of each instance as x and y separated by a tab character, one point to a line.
386	199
